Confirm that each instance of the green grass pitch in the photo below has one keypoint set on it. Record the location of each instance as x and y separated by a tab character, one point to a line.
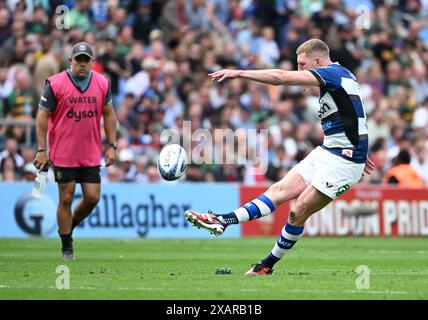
317	268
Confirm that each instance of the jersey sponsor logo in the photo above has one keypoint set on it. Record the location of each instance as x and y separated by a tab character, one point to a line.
83	100
323	110
347	153
79	115
58	174
326	125
342	189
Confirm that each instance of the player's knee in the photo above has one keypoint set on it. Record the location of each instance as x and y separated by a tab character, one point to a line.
92	199
274	192
66	199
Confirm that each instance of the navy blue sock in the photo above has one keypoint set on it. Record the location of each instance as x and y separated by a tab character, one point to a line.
270	260
229	218
255	209
285	242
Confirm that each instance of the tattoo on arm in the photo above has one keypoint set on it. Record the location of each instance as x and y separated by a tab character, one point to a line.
292	216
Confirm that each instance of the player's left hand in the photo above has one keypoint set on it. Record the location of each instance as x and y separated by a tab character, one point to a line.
369	166
224	74
110	156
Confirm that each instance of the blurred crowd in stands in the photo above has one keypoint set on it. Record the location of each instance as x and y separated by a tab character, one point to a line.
157	54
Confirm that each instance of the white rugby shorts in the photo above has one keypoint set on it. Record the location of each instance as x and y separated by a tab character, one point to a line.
328	173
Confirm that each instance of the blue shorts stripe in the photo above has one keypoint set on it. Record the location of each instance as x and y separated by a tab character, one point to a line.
295	230
267	201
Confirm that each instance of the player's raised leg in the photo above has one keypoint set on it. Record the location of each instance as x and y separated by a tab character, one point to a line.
310	201
289	187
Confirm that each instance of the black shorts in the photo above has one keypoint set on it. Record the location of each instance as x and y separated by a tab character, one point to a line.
78	174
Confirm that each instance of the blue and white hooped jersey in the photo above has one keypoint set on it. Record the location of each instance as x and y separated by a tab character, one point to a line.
342	113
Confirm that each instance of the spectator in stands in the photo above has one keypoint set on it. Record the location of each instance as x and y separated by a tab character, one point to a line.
6	87
420	118
126	164
378	154
11	151
269	51
377	127
29	172
114	66
114	174
420	160
9	176
5	30
143	21
152	174
118	18
6	78
21	102
79	16
173	21
47	63
22	99
8	167
28	153
195	12
402	173
40	23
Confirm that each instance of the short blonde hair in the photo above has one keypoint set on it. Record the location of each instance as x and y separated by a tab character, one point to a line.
314	45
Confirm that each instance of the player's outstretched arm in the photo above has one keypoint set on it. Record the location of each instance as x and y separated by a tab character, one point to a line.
270	76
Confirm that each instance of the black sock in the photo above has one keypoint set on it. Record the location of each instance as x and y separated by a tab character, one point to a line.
229	218
66	240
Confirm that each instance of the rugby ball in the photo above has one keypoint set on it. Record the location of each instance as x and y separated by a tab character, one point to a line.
172	162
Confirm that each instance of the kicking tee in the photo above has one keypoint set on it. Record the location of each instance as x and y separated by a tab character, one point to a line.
342	113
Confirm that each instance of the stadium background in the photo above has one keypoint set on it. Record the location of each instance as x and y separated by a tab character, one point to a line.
157	55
